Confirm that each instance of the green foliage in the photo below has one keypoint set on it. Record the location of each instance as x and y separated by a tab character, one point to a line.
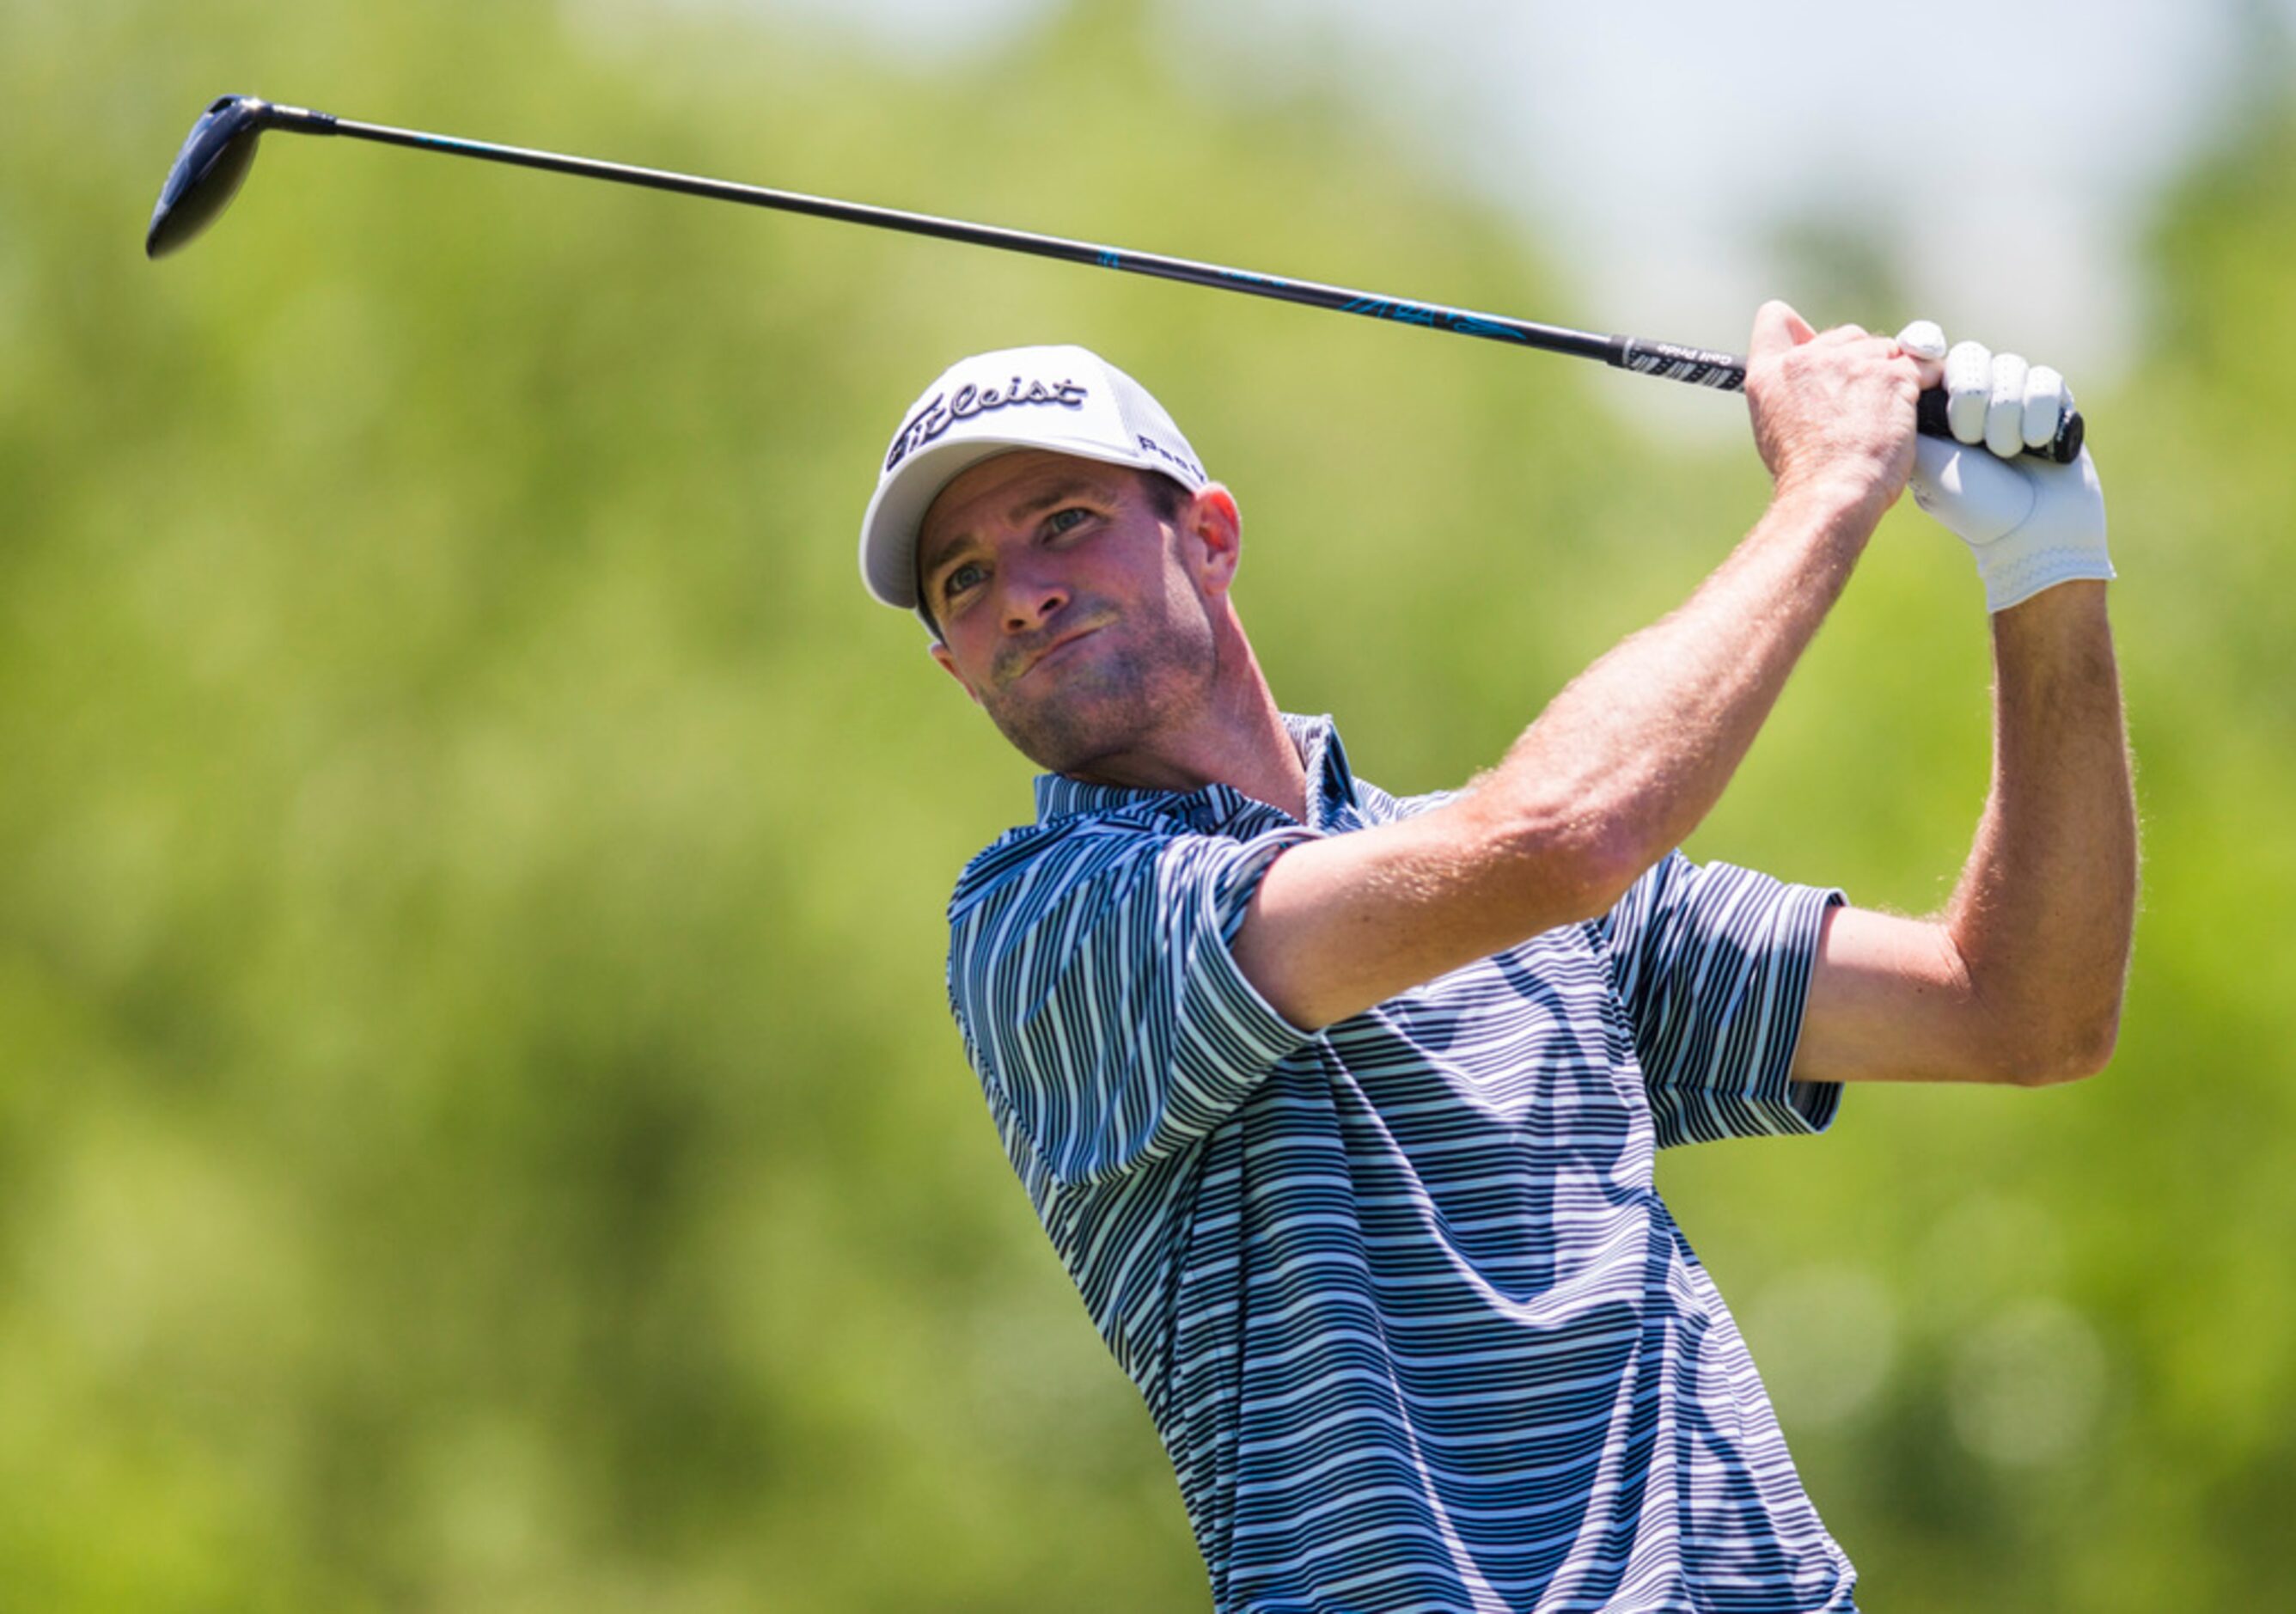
480	1127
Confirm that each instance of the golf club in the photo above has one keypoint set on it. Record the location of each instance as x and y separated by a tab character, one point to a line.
215	158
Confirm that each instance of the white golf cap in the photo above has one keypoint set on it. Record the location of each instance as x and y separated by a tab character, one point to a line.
1063	399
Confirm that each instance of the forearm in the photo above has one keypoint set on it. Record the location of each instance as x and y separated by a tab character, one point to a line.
1624	763
1613	774
2043	912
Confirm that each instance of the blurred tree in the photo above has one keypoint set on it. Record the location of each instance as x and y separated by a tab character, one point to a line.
480	1127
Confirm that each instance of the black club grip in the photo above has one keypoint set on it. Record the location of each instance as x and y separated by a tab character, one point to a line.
1726	372
2064	449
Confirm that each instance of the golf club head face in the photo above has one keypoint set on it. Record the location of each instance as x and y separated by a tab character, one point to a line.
207	172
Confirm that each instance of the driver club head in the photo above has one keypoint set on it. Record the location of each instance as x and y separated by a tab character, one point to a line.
207	172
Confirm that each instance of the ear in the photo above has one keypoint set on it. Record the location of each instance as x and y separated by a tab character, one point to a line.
939	652
1213	528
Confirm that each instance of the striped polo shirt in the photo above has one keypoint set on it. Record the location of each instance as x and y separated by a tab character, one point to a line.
1411	1320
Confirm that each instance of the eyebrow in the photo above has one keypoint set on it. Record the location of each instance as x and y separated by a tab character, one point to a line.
1036	504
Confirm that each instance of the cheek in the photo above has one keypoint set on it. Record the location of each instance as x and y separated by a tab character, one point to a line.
1144	574
960	658
975	669
1183	600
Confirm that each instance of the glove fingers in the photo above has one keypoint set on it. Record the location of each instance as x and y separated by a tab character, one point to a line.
2046	404
2005	411
1968	391
1923	340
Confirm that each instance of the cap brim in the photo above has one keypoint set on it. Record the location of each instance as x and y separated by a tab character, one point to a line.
888	528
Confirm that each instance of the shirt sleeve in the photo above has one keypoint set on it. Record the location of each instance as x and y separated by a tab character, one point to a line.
1713	964
1100	1002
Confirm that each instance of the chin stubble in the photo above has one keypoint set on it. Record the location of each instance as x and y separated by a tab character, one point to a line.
1109	707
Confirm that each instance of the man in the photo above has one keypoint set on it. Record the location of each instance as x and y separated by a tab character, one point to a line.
1340	1109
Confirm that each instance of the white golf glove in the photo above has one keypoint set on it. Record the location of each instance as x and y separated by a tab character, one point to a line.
2031	525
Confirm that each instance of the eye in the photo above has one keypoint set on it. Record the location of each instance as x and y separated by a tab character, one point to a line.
1066	520
961	578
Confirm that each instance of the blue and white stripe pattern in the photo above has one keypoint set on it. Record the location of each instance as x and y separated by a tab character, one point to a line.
1415	1329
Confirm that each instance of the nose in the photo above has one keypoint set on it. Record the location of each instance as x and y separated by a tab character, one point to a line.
1032	596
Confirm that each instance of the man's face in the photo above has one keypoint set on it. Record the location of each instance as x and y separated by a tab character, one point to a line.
1077	616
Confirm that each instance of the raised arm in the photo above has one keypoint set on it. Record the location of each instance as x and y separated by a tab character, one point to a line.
2020	980
1632	754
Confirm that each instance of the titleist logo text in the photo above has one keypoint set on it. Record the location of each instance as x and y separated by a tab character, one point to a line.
944	410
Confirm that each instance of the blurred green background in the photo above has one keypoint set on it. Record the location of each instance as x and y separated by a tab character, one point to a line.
479	1123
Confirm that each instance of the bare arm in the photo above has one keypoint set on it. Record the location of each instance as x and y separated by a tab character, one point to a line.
1627	759
2021	979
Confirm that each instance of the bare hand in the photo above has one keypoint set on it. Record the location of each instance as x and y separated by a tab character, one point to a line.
1833	412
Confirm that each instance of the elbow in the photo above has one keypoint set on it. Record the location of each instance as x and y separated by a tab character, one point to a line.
2044	1033
2070	1052
1579	864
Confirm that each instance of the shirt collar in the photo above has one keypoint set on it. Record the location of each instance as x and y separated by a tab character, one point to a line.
1331	786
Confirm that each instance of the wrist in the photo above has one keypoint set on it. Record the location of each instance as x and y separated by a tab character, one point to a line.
2028	565
2076	605
1832	498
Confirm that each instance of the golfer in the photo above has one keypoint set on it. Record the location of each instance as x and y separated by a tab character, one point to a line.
1340	1109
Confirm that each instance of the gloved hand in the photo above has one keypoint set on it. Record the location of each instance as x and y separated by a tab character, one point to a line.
1993	399
2031	525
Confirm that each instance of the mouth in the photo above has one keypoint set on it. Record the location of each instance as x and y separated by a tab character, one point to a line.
1057	649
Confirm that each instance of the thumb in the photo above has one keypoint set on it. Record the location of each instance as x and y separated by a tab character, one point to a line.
1776	328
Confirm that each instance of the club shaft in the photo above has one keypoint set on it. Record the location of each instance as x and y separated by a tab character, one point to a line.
1710	369
1699	367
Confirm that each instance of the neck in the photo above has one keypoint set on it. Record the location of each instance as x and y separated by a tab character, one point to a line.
1237	738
